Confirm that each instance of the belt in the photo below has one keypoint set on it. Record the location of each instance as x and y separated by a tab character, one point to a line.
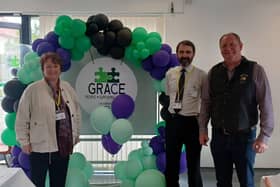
228	132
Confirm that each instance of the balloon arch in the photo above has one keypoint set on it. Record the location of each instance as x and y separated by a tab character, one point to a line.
72	38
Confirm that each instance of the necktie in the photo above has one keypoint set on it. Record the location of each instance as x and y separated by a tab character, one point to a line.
180	92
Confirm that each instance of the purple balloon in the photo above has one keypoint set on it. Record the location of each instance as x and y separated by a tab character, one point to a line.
158	73
161	162
44	47
52	38
183	162
15	151
64	54
161	131
161	58
36	43
173	61
23	160
109	144
122	106
166	48
147	64
66	66
157	144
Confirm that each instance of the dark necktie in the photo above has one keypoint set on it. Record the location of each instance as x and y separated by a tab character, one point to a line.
180	93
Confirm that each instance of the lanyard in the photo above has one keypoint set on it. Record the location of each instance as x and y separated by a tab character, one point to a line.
58	99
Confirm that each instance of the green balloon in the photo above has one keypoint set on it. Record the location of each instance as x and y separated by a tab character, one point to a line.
101	119
133	168
153	44
144	53
10	120
23	76
77	160
119	170
76	55
78	28
76	178
8	137
66	42
121	131
135	154
63	19
83	43
157	85
139	34
149	162
163	85
150	178
127	183
155	34
88	170
158	125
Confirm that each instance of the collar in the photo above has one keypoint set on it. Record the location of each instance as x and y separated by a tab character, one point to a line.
188	68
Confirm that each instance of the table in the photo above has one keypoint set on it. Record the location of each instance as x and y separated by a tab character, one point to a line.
14	177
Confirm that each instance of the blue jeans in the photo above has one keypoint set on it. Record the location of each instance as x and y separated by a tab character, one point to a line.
234	149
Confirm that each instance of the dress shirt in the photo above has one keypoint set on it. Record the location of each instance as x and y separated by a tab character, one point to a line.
192	90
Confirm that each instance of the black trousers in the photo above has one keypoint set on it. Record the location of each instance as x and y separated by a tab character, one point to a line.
182	130
56	165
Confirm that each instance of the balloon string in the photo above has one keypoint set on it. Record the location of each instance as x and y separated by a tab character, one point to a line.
91	56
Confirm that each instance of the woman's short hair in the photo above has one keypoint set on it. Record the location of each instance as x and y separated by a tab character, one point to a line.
54	57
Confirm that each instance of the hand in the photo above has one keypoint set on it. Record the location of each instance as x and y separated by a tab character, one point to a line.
27	149
259	146
203	139
267	182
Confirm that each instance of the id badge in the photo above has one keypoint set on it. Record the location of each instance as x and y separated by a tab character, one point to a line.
60	115
177	105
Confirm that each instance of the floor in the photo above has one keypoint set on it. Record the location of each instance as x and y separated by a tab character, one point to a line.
208	175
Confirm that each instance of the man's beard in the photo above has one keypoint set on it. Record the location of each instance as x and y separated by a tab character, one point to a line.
185	61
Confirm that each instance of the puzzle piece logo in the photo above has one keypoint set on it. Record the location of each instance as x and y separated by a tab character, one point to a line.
105	77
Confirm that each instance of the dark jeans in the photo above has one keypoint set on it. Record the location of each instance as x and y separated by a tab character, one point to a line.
234	149
182	130
56	165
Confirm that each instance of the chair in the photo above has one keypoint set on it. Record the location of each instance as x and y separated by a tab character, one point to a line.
5	153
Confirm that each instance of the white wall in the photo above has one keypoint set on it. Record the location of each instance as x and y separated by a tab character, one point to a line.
258	23
203	22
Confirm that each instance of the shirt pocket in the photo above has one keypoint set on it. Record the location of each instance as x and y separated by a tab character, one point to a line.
38	132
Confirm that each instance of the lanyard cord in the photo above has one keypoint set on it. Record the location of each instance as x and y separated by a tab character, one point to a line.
58	99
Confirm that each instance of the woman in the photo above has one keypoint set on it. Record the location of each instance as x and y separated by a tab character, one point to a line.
48	123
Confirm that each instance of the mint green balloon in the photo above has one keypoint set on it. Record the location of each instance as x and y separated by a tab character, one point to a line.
76	178
23	76
10	119
101	119
133	168
88	170
127	183
149	162
121	131
8	137
157	85
135	154
47	181
150	178
163	85
77	160
31	57
119	170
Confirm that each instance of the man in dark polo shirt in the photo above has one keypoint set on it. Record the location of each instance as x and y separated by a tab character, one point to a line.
235	94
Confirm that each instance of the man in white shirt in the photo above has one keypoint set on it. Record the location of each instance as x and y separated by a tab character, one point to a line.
183	86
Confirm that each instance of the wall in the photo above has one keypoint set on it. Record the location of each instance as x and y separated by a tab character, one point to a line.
258	23
202	21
